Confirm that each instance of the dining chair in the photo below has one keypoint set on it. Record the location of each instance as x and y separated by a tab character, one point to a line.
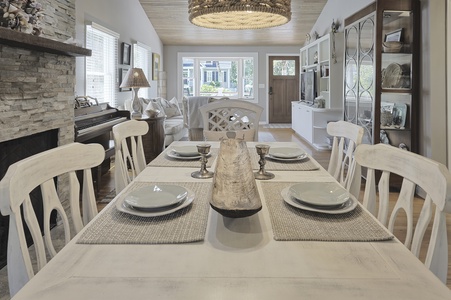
239	116
418	173
129	151
346	137
46	170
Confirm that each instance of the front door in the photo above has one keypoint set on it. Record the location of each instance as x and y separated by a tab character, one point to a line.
283	87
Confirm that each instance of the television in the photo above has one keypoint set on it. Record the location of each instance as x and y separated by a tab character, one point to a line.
308	86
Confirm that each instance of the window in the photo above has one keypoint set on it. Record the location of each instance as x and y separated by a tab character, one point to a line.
142	58
230	75
101	66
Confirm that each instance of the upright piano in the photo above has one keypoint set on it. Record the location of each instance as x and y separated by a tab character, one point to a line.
93	124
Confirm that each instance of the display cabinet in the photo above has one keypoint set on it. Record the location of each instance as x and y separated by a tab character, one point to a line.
382	72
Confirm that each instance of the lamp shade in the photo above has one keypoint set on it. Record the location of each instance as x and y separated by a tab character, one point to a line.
135	78
239	14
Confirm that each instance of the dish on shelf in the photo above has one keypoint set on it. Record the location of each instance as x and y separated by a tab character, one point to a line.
124	207
395	76
348	206
392	47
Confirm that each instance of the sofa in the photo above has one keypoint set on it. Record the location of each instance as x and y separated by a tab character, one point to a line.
192	116
174	126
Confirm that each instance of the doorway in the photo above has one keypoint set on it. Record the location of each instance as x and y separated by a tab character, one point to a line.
283	87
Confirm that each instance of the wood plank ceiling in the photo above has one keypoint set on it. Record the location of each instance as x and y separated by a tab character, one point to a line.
170	20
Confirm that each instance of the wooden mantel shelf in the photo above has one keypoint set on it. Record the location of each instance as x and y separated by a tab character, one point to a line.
14	38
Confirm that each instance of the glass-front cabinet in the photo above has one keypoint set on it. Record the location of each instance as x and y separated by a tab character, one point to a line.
359	86
397	78
381	78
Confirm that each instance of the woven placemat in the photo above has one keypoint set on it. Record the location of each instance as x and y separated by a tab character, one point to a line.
183	226
293	224
163	160
276	165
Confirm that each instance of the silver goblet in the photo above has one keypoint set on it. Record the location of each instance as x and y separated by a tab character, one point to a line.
261	174
203	150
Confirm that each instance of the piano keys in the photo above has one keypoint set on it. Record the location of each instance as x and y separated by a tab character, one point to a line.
93	124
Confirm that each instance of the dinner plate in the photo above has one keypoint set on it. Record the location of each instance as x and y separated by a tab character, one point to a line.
155	197
186	150
320	194
124	207
173	154
285	152
300	157
348	206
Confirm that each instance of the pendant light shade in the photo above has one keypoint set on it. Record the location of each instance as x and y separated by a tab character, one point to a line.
239	14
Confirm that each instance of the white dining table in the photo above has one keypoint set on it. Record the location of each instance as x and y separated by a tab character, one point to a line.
238	259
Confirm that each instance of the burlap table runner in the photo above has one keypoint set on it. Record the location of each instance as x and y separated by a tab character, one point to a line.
183	226
293	224
277	165
163	160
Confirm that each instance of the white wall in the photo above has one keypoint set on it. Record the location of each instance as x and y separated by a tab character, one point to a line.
170	63
124	17
337	10
433	114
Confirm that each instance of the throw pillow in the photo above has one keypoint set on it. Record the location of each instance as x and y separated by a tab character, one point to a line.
171	107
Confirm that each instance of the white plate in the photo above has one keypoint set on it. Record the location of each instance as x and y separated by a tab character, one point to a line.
348	206
285	152
156	196
300	157
186	150
173	154
325	194
123	207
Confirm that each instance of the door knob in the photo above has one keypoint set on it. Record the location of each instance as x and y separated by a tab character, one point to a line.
270	90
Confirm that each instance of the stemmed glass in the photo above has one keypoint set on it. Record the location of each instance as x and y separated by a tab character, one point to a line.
261	174
203	150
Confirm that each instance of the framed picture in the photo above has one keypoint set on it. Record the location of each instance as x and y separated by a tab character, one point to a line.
156	65
126	53
122	73
394	36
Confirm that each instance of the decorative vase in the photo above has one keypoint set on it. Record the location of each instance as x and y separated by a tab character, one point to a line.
234	192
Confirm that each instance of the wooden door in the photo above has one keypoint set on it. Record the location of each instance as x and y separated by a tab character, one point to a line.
283	87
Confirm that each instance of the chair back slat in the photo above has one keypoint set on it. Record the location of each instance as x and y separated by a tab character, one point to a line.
346	137
231	115
417	173
129	151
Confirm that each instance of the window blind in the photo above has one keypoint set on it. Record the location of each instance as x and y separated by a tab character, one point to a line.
101	66
142	58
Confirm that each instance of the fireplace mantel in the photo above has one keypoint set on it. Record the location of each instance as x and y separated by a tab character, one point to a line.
14	38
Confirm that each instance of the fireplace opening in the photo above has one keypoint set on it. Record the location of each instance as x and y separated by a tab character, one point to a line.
15	150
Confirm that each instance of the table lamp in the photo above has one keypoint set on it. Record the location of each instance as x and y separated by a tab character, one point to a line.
135	79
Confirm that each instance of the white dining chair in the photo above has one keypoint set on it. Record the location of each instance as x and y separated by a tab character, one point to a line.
129	151
239	116
41	170
346	137
417	172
